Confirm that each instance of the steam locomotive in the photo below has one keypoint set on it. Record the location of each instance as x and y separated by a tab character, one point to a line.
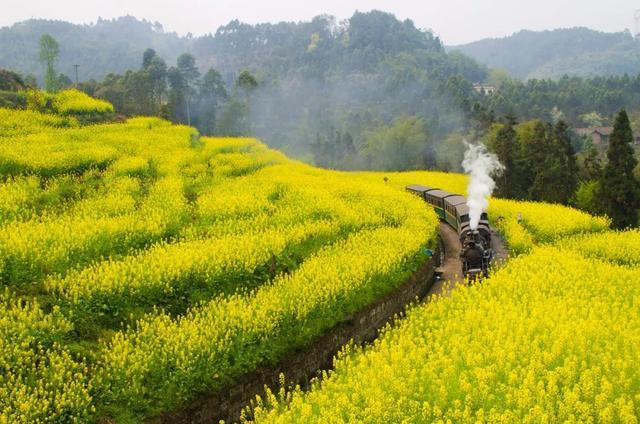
476	253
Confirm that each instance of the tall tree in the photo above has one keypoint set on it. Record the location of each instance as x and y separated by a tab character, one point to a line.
148	56
507	148
177	99
402	145
544	165
565	160
247	83
592	166
554	168
534	144
49	51
156	73
211	95
186	65
619	188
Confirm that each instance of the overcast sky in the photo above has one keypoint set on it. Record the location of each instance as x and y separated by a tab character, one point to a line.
455	21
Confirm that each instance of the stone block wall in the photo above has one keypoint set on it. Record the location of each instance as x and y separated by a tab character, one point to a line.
301	366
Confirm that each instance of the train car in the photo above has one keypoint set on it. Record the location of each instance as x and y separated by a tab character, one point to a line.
419	190
451	204
436	199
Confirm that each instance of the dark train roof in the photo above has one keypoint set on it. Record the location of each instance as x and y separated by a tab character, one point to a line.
455	200
417	188
440	193
462	209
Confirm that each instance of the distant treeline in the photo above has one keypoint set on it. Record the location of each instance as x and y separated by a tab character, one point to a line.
371	83
578	100
552	54
371	92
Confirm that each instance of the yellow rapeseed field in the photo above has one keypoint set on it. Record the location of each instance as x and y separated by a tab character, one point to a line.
130	249
142	266
552	337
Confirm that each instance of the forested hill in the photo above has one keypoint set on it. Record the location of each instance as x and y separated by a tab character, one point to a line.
552	54
319	83
313	48
104	47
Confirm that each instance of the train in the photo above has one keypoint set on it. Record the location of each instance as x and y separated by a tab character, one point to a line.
476	252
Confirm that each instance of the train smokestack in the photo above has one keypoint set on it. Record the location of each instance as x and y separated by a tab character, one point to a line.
480	165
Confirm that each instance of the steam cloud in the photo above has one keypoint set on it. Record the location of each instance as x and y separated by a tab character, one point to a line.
480	165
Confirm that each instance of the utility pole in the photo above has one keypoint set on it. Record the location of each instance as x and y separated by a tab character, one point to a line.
76	67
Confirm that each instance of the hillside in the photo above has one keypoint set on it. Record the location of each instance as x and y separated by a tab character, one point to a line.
552	54
317	81
143	266
107	46
315	47
146	226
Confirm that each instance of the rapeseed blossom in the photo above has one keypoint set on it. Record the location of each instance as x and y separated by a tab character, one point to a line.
550	337
144	265
155	248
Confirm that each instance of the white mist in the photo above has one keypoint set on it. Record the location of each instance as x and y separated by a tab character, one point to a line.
480	165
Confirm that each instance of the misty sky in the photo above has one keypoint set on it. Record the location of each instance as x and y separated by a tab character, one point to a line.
455	21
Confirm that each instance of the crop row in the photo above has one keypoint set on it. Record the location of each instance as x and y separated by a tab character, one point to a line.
33	249
620	247
526	224
40	382
164	361
175	263
551	337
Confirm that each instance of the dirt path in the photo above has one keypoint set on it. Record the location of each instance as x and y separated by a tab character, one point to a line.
451	266
500	252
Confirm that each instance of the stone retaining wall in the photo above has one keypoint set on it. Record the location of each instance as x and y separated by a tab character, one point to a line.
301	366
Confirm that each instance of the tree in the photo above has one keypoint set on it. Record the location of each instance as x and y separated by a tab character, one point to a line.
591	165
147	57
11	81
186	66
401	146
177	97
619	188
592	119
507	147
534	145
156	73
246	82
554	166
586	197
565	159
232	120
211	95
49	51
543	164
450	153
63	82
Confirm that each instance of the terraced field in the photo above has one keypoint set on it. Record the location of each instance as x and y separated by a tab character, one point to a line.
143	265
552	336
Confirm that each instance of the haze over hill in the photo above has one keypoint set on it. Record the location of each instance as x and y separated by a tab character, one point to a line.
316	79
116	45
341	93
552	54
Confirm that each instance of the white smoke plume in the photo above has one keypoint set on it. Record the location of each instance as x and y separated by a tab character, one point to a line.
480	165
